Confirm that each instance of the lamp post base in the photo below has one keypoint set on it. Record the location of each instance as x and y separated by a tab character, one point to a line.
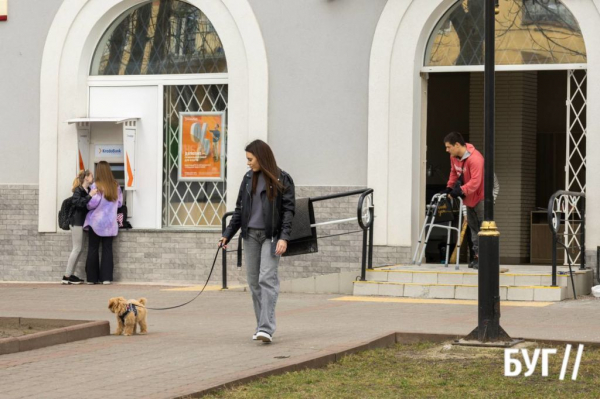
502	341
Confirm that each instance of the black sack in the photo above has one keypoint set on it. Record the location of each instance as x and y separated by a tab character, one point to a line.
303	239
65	214
445	211
122	218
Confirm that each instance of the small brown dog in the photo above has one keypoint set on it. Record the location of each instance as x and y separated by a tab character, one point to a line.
129	313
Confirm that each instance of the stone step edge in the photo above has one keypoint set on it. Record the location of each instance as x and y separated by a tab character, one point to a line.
456	285
471	273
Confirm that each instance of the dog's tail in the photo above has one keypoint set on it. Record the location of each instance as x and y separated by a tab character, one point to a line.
142	301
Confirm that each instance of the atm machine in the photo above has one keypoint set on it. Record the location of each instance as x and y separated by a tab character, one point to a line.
111	140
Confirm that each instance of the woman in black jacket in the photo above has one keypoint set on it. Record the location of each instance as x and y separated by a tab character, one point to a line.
81	196
264	211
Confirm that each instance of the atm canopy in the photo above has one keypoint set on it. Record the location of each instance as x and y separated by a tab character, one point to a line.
84	131
114	119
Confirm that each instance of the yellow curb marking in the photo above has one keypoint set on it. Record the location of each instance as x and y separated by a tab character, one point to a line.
437	301
470	273
455	285
199	287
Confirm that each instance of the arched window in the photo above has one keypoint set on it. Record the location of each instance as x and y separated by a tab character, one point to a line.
172	37
527	32
159	38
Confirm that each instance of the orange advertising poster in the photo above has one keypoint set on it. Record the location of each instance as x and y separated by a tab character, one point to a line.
201	146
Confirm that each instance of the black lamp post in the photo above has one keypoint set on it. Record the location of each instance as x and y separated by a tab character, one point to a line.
488	329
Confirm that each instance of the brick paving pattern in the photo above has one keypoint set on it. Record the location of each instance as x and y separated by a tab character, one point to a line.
209	340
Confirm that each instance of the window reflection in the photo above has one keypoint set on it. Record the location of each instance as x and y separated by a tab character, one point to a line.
160	37
527	32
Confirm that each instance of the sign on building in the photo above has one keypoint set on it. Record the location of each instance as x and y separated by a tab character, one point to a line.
109	151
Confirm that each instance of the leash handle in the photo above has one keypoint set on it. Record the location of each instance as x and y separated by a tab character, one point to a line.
201	291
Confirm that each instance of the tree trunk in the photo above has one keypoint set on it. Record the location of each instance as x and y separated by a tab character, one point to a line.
116	47
140	40
161	43
469	28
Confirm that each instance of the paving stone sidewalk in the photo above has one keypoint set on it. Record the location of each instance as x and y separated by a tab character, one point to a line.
189	348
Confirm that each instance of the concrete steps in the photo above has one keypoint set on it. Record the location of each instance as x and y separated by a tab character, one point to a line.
520	283
457	291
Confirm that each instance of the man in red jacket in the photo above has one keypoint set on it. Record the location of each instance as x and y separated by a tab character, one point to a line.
466	181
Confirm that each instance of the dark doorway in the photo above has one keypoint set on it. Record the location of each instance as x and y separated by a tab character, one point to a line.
531	126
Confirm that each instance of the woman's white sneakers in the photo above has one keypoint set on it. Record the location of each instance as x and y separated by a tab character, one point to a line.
263	336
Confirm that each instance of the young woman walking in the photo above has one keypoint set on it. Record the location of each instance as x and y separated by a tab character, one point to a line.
81	196
264	211
101	222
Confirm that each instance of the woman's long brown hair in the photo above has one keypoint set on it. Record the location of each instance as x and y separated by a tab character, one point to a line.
268	165
80	178
105	181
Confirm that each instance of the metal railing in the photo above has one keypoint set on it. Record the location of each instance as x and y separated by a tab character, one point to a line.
365	215
567	207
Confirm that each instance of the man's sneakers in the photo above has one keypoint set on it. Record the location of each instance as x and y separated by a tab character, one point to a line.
73	279
263	336
474	263
254	337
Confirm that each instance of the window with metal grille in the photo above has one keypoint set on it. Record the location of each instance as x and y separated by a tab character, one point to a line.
191	204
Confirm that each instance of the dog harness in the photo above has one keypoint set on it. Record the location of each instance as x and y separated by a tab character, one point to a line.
130	308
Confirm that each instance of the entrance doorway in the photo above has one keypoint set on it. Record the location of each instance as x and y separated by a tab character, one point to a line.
540	147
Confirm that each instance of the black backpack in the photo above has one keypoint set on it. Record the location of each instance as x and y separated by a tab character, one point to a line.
65	213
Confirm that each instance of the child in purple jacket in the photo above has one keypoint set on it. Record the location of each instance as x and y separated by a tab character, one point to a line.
101	222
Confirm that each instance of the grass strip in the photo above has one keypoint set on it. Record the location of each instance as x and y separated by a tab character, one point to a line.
429	370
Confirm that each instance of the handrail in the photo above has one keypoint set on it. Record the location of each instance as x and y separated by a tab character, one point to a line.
364	216
340	195
367	230
564	202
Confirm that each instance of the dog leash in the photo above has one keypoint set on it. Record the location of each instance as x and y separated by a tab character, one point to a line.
201	291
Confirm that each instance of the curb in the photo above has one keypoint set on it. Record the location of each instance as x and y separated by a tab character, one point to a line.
317	360
336	353
71	333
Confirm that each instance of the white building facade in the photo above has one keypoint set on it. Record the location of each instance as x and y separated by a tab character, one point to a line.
348	94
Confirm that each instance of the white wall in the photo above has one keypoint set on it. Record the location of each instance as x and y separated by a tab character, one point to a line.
319	56
318	77
319	62
397	99
21	45
589	20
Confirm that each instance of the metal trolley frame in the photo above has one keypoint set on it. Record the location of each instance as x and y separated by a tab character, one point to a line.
429	225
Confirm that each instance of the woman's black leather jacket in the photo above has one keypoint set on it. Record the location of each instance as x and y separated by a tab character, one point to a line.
278	218
79	200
